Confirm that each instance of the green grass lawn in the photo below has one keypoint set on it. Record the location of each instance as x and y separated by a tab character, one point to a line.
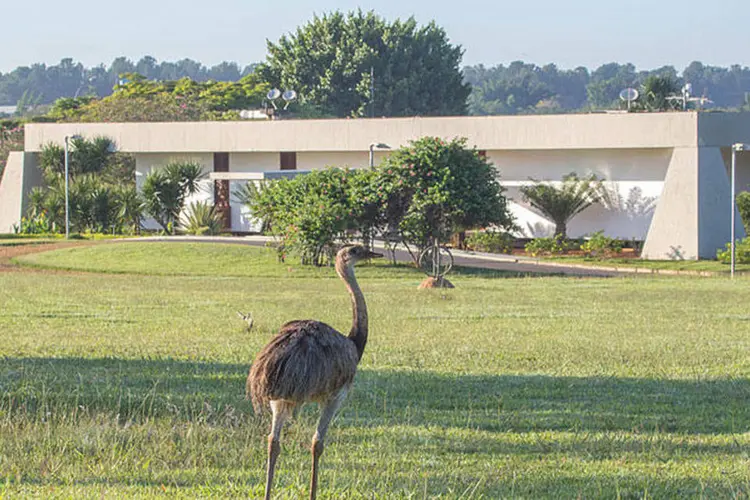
128	381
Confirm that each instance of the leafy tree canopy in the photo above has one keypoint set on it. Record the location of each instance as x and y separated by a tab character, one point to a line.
328	61
139	99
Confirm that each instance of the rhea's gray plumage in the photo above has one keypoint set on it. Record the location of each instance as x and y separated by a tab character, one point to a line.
310	361
306	361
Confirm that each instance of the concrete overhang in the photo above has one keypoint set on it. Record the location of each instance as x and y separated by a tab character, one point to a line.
549	132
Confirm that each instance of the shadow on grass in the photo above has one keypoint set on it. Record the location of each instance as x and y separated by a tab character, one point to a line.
135	390
495	485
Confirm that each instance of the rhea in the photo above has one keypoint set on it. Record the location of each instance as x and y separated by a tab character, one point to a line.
309	361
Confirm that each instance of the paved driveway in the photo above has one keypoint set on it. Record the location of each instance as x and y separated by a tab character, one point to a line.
468	259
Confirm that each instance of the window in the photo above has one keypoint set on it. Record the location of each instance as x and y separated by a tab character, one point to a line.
221	162
288	161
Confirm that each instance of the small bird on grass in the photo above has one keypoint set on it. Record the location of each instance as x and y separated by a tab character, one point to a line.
247	318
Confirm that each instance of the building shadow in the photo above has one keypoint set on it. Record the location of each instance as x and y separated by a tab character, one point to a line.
136	390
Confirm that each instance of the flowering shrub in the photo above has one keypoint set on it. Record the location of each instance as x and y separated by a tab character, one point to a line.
741	252
599	245
38	224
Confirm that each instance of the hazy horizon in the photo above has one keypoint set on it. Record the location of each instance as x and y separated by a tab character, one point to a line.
578	33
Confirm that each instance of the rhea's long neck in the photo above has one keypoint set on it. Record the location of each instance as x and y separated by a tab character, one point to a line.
358	333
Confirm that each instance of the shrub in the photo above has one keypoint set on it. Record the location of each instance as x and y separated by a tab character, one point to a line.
37	224
743	206
547	246
741	255
599	245
203	219
165	191
490	241
309	213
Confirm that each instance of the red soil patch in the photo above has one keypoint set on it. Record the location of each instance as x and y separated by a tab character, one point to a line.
8	252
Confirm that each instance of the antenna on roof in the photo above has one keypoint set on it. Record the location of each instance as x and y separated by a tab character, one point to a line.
684	97
289	96
272	95
629	95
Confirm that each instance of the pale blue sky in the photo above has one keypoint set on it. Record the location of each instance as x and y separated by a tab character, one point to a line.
573	33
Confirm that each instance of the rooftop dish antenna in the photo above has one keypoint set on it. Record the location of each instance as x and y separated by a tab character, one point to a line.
684	97
273	94
629	95
289	96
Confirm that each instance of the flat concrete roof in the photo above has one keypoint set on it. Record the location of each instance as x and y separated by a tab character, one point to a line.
578	131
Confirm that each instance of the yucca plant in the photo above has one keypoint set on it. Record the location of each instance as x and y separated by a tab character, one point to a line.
203	219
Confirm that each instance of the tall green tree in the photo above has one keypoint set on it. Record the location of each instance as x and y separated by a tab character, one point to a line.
329	61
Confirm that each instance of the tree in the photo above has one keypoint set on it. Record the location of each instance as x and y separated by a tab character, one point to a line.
142	100
329	62
516	89
11	139
655	90
743	206
427	190
561	203
165	191
432	189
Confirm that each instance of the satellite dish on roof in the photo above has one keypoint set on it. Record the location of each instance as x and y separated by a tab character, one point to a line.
273	94
629	95
289	96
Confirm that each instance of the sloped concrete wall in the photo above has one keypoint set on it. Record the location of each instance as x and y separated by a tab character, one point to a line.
692	218
673	234
11	187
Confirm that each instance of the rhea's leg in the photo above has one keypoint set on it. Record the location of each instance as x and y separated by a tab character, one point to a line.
327	411
281	411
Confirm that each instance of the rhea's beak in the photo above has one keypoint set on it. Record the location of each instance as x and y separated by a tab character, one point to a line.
373	255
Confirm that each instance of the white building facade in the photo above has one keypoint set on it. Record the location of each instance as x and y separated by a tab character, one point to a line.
667	172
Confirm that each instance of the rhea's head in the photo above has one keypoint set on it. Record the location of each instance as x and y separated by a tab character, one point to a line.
351	254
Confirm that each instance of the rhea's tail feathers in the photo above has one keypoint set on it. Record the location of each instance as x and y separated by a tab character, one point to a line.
255	391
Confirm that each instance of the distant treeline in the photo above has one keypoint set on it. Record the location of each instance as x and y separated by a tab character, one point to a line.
518	88
527	88
42	84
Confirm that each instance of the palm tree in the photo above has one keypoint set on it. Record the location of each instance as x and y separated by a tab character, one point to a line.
561	203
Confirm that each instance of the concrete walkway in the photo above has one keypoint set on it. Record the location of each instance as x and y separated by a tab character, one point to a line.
499	262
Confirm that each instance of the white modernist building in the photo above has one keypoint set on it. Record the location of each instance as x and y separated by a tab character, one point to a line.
668	171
